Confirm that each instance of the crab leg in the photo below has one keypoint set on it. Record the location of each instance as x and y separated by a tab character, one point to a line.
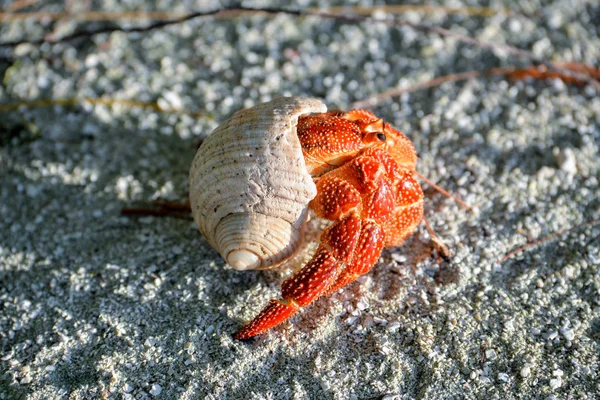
367	253
348	249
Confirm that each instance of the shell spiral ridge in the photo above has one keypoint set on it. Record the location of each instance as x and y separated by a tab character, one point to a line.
249	186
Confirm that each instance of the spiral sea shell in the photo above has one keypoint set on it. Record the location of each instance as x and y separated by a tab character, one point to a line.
249	186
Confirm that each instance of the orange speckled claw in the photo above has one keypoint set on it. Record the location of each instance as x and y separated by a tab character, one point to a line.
273	314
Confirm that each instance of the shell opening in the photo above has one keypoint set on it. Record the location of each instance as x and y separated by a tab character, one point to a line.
242	260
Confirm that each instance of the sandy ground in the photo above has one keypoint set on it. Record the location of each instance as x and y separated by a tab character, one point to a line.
97	305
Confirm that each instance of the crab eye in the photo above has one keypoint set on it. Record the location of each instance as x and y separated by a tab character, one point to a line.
381	136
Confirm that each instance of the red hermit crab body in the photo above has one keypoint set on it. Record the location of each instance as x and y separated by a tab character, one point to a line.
364	175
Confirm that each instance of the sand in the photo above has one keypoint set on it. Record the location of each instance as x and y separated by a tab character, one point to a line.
97	305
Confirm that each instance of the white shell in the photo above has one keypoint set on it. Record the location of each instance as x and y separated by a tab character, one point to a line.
249	186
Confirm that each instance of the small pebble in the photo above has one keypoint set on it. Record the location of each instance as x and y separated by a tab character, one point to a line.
551	335
539	283
156	389
28	379
502	377
490	354
394	326
568	161
568	333
555	383
362	304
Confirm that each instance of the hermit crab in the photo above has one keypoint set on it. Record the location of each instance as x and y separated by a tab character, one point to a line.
257	177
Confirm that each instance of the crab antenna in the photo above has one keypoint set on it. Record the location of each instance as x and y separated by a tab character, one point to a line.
430	229
440	247
445	193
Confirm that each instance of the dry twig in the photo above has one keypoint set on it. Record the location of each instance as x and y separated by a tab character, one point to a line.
72	102
523	54
10	14
545	239
534	71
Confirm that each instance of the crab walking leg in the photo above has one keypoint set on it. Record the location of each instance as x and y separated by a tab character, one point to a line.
336	248
313	279
368	251
358	248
